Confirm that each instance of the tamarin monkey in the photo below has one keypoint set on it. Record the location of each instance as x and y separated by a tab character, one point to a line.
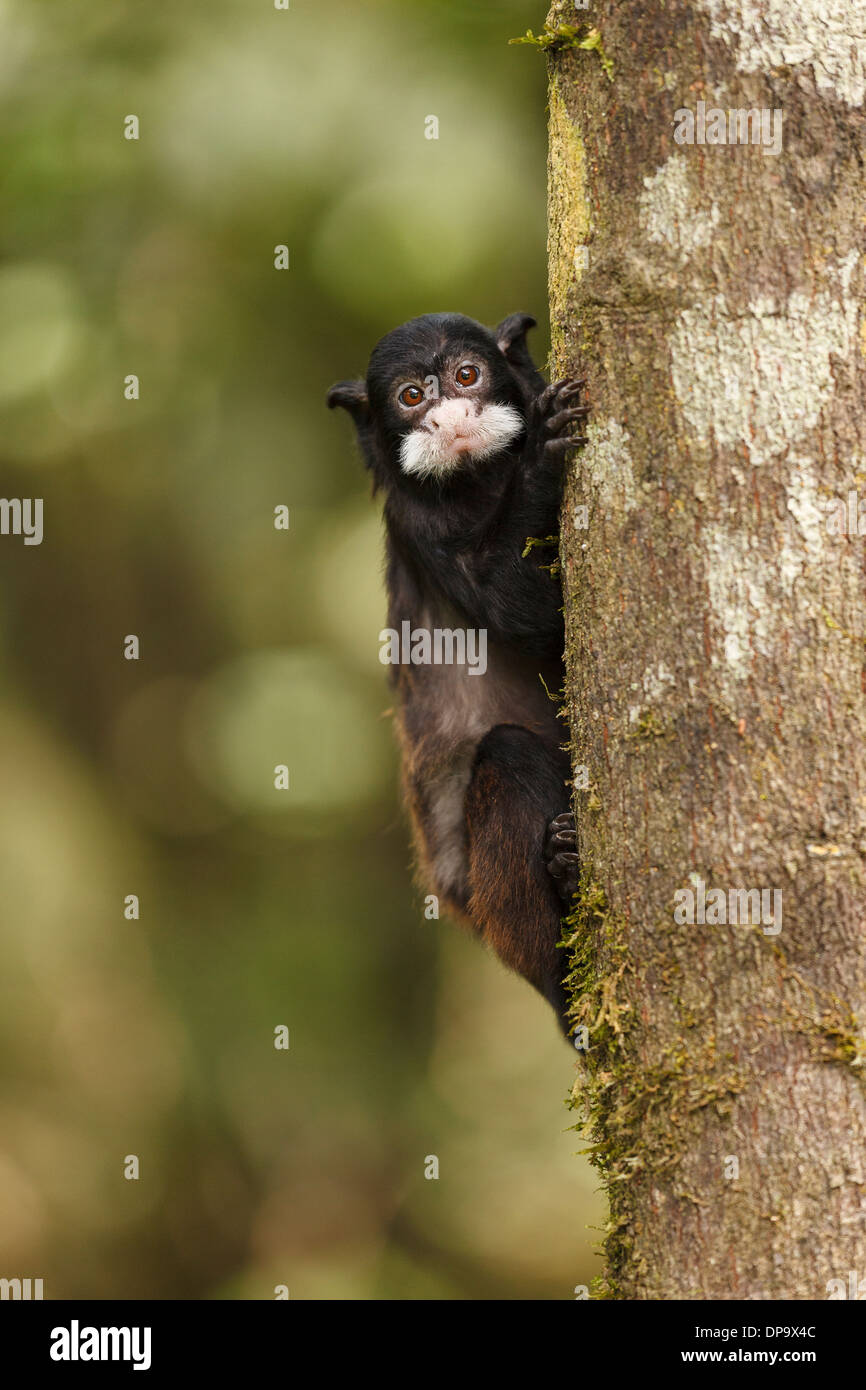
467	441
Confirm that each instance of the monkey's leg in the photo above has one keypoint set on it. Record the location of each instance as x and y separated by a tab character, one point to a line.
516	790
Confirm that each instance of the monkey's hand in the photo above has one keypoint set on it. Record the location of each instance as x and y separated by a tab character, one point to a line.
556	419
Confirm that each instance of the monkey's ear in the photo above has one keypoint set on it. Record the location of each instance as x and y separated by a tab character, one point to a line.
352	396
510	336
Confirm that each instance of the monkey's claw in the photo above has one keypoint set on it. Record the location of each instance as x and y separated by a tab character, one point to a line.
560	853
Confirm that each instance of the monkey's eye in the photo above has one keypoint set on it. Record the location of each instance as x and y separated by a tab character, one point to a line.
410	395
467	375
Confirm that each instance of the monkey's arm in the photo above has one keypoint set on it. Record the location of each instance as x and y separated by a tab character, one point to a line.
554	427
511	596
489	578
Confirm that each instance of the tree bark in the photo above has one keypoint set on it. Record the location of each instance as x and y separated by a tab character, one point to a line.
712	293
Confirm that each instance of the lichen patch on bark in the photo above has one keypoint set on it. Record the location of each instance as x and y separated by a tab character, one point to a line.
569	220
669	209
829	36
760	376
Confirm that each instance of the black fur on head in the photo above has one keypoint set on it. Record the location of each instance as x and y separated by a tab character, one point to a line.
415	368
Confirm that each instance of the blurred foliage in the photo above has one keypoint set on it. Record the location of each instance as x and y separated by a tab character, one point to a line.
258	908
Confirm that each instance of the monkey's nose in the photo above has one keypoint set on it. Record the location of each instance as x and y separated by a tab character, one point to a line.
455	413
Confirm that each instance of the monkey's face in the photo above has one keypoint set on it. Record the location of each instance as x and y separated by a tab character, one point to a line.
449	418
444	396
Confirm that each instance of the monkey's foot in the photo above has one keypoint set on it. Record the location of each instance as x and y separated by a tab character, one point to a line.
560	853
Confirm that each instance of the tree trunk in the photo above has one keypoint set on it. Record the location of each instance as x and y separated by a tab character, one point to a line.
712	293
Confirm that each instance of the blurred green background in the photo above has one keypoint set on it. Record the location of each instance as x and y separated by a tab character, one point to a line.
155	777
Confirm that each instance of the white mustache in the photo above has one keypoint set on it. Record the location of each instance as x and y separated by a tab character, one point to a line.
430	449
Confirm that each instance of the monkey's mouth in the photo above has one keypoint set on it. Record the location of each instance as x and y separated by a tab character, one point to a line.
453	433
462	441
